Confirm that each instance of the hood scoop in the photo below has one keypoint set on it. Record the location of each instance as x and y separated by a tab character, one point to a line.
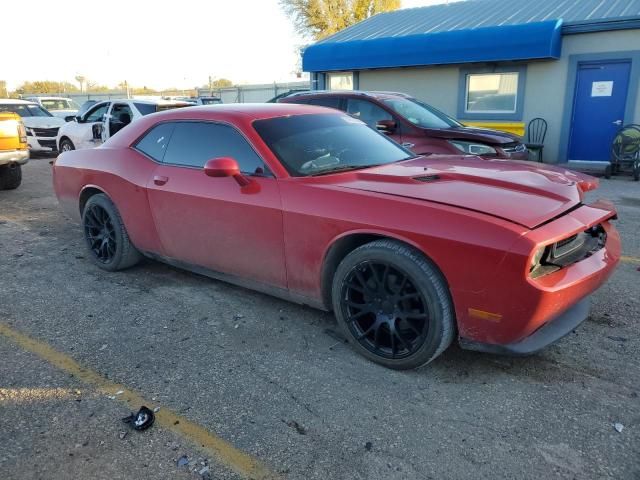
427	178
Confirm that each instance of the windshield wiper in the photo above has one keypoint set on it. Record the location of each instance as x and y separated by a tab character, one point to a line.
345	168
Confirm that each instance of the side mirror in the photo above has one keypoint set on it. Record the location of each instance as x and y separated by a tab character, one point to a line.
225	167
70	118
386	126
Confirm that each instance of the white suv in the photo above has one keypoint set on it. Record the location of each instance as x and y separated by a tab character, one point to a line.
57	106
41	126
105	119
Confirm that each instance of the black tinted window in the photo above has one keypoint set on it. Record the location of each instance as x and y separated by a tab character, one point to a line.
331	102
325	143
25	110
366	111
193	143
145	108
154	143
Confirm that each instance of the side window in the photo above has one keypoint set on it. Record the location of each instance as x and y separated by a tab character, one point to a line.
154	143
331	102
96	113
122	113
193	143
366	111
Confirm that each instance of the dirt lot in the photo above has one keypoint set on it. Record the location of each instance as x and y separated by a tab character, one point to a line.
274	380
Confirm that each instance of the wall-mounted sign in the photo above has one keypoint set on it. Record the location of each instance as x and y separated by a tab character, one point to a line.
602	89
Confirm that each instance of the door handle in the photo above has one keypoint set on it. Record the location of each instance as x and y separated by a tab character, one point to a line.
617	122
160	179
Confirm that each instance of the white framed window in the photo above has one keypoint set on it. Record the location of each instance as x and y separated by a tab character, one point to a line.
340	81
491	93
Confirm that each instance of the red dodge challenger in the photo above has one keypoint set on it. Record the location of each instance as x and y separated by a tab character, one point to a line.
311	205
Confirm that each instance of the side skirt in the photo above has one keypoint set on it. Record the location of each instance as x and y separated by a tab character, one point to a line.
281	293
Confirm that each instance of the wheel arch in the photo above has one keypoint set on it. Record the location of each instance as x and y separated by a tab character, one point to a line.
64	137
86	193
344	244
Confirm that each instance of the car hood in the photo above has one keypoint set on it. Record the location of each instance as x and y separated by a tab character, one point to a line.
484	135
525	193
63	113
42	122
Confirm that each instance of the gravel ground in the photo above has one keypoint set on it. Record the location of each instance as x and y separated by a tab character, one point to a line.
275	380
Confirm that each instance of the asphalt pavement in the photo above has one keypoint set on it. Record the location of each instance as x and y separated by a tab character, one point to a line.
257	379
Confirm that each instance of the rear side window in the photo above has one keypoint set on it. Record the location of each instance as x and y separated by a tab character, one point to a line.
331	102
154	143
194	143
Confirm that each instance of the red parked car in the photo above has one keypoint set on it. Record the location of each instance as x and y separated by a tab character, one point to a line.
417	126
310	204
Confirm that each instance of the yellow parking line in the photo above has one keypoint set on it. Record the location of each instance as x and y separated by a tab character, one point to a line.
224	452
627	259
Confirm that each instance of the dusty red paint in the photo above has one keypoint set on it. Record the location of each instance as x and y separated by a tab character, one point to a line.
480	222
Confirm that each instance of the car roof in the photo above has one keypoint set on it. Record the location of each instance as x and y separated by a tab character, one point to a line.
244	111
15	101
49	98
146	101
364	93
229	112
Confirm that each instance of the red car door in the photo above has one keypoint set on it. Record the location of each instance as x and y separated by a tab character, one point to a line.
213	222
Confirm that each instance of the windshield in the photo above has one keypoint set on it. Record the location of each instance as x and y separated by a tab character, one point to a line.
25	110
420	114
60	104
317	144
210	101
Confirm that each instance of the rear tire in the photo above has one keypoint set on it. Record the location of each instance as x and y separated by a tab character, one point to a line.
66	145
393	305
106	236
10	176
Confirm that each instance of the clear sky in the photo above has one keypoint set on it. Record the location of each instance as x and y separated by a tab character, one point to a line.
155	44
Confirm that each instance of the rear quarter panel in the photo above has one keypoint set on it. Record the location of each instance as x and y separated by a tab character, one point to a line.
122	174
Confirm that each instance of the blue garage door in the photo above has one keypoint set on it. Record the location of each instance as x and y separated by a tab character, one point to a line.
598	109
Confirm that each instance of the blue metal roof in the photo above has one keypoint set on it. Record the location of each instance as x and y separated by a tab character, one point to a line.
467	31
472	14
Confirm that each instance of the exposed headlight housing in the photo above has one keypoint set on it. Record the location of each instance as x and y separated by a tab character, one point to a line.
567	251
536	258
473	148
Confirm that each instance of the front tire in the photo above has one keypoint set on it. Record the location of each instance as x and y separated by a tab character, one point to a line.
107	240
393	304
10	177
66	145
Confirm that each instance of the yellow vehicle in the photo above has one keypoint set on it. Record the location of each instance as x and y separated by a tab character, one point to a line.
14	150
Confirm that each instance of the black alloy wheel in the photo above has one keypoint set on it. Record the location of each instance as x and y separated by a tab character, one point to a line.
106	236
393	304
100	233
384	311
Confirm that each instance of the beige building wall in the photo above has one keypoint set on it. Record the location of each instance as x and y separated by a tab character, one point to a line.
545	87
